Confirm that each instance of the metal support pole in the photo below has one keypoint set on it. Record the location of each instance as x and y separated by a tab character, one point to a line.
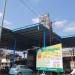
38	73
51	73
58	73
51	35
44	39
14	48
72	59
73	54
51	40
44	42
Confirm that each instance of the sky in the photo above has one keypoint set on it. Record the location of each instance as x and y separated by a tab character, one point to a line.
61	12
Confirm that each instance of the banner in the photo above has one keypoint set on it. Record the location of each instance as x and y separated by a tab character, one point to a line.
50	58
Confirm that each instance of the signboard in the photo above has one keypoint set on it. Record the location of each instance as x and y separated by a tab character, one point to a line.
68	52
50	58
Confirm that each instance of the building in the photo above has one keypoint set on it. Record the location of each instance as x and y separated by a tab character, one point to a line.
68	44
32	37
28	37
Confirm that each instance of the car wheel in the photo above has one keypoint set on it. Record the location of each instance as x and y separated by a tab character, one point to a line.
19	73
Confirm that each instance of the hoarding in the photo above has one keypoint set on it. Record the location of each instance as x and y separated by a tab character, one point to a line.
50	58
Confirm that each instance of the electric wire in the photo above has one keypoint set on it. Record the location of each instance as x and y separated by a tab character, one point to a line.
28	7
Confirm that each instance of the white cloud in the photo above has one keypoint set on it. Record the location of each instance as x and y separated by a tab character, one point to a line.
60	24
64	27
1	15
70	27
6	24
35	20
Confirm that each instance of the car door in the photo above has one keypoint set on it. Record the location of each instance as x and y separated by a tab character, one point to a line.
24	70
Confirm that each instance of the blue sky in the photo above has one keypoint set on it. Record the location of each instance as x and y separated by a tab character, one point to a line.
62	14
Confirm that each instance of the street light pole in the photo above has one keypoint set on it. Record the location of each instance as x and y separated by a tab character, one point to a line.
2	23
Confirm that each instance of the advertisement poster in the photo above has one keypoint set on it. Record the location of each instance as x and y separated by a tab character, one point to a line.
50	58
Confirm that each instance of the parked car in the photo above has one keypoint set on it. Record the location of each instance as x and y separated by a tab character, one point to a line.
20	70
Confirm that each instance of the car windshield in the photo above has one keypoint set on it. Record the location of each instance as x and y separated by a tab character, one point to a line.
23	67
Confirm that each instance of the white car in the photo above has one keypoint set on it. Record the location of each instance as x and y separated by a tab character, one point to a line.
20	70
